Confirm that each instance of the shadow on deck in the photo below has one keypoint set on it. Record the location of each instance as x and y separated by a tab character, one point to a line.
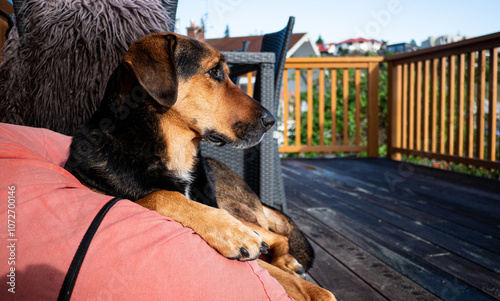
386	230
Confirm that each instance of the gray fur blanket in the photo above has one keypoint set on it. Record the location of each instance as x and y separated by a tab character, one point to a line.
56	74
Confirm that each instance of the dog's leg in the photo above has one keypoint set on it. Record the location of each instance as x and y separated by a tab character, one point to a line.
217	227
299	247
298	289
279	250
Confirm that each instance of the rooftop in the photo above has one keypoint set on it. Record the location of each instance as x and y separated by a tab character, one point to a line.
236	43
359	40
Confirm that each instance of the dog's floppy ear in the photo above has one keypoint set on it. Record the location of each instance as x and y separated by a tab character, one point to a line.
152	60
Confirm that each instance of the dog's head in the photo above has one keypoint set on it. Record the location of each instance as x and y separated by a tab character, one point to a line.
189	81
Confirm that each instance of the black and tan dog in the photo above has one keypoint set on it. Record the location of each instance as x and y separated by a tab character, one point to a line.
169	93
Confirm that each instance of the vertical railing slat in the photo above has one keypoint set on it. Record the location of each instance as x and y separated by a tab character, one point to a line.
426	104
451	104
461	95
434	105
310	107
249	83
321	106
492	125
404	108
346	104
418	109
357	82
411	108
481	69
285	108
297	107
470	104
390	110
442	107
333	105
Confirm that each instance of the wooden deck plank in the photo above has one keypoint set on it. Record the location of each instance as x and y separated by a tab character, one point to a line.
364	202
409	244
378	183
330	273
402	228
425	274
471	186
391	203
439	193
384	279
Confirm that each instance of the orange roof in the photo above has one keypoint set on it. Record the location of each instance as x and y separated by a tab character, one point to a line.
236	43
324	47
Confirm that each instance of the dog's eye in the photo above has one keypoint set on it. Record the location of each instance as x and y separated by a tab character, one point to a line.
215	73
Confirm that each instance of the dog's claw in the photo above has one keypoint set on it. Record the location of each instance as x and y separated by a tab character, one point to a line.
262	250
301	274
265	245
244	252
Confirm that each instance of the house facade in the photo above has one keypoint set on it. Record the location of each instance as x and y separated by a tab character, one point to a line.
358	45
350	46
442	40
402	48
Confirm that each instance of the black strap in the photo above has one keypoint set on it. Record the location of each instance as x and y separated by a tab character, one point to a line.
76	264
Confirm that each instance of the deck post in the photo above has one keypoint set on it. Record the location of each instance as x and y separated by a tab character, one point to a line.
394	111
373	122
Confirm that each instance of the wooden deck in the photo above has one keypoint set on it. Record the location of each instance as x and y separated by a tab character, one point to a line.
386	230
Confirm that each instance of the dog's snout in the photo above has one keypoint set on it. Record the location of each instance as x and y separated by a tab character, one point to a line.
267	120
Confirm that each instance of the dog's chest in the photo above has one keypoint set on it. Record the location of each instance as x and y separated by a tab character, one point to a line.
186	178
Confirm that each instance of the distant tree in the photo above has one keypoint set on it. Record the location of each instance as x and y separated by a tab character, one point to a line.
342	51
226	32
412	42
320	40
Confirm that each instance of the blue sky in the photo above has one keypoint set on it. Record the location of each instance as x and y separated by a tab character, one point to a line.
392	20
336	20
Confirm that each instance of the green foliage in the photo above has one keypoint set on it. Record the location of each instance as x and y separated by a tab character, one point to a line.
470	170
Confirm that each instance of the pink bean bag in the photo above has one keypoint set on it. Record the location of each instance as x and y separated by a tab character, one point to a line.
136	254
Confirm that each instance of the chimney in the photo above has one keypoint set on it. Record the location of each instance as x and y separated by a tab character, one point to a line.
196	32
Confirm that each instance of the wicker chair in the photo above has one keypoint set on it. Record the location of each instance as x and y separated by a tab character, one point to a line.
244	48
260	166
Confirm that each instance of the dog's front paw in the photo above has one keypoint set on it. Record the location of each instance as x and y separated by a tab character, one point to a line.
230	237
289	264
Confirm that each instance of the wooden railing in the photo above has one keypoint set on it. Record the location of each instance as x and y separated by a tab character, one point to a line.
316	91
443	103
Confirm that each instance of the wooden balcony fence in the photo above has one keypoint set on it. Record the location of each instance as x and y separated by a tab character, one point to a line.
442	104
316	92
338	74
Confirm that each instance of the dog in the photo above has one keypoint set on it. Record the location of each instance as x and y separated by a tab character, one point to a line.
168	94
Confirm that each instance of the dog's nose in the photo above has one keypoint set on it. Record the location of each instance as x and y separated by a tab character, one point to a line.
267	120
